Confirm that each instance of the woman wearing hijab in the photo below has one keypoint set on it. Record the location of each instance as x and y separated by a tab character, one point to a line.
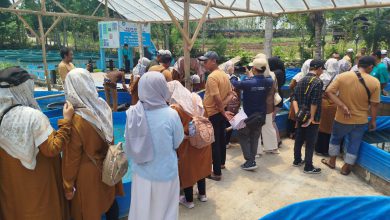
194	163
30	163
328	108
268	140
291	115
276	65
138	71
83	157
153	133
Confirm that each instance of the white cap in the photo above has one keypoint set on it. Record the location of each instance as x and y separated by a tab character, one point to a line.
167	52
259	63
350	50
195	79
160	52
383	52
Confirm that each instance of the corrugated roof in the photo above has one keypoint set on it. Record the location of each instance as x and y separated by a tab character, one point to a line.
153	10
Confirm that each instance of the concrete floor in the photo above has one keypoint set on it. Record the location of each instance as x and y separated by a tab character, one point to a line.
276	183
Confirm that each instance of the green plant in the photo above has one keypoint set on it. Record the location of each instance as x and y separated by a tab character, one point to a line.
220	45
5	65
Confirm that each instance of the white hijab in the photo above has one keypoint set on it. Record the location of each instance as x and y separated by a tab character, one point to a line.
190	102
332	70
304	70
153	90
24	128
140	68
80	90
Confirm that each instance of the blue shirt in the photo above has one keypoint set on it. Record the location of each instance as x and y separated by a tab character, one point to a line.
255	92
167	134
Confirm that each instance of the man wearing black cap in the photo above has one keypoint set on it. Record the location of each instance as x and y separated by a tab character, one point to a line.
355	94
218	88
307	99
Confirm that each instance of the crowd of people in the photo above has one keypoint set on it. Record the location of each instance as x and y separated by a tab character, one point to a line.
63	168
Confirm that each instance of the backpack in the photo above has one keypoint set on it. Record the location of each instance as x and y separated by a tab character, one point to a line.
115	164
201	131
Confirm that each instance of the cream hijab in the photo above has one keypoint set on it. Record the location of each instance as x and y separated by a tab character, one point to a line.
24	128
190	102
80	90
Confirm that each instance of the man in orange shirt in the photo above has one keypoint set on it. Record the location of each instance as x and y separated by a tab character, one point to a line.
358	94
218	88
66	64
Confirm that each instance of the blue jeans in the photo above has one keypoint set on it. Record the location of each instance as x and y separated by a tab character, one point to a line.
354	134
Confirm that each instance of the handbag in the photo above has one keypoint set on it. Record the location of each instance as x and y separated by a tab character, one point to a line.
277	98
303	113
233	105
255	121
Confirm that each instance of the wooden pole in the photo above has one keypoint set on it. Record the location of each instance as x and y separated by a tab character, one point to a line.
42	38
14	5
27	25
186	48
60	6
53	26
106	8
140	41
200	24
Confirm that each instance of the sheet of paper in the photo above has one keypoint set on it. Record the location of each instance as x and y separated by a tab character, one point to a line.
237	121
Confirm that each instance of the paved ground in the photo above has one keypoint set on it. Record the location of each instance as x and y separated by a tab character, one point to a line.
247	195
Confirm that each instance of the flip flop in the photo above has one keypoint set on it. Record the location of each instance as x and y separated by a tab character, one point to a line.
345	173
325	161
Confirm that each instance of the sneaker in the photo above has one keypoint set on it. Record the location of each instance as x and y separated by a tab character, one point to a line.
312	170
202	198
258	156
188	205
215	177
298	163
249	166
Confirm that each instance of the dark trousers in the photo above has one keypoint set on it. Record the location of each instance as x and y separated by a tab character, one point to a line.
113	212
322	145
219	148
306	135
249	141
189	192
228	135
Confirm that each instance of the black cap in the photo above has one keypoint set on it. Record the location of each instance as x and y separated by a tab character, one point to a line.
317	64
366	61
209	55
166	58
13	76
378	53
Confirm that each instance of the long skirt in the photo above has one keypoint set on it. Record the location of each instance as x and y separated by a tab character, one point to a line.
268	139
154	200
328	112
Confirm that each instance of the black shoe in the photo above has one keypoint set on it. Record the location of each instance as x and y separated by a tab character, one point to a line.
312	170
298	163
322	154
249	166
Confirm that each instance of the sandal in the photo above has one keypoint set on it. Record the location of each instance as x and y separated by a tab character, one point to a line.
345	173
325	161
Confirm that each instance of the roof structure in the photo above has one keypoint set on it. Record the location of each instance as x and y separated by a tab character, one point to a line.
154	11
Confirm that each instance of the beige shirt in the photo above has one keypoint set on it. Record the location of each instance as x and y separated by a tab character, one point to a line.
217	84
353	94
64	69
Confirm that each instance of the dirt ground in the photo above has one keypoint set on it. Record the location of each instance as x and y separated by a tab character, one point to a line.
247	195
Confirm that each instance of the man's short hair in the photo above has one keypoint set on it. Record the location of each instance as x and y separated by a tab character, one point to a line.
366	61
65	52
125	45
378	54
166	59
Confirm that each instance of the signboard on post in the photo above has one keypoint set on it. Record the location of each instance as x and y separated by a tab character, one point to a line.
114	34
108	34
128	34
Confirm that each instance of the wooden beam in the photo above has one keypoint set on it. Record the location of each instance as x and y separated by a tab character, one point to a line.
261	5
334	3
204	3
365	2
15	4
27	25
43	5
96	9
42	38
60	6
231	5
307	6
248	5
280	5
201	21
106	9
140	41
174	20
186	44
64	15
53	26
376	5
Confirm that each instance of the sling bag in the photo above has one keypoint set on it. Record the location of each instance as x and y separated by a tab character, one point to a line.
361	80
304	113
